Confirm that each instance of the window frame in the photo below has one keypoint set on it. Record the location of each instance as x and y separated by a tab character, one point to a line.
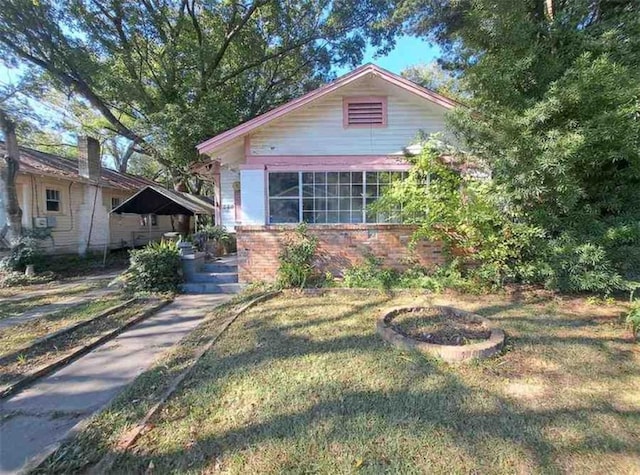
48	200
346	101
366	200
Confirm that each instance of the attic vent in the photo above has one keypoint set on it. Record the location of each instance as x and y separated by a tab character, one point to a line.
365	112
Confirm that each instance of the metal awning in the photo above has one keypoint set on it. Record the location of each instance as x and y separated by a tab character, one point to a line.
161	201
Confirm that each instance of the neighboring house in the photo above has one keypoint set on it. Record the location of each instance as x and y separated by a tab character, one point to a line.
322	159
71	201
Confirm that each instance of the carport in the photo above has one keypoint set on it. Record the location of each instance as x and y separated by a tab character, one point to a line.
162	201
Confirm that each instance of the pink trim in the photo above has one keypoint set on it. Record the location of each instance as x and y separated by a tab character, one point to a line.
346	101
329	160
374	167
295	104
327	163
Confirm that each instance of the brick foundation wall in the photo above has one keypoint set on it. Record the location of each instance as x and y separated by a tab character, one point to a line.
339	246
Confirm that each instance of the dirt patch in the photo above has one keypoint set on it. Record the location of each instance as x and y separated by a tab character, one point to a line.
434	325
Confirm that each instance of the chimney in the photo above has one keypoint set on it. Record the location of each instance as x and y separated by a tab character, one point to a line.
89	164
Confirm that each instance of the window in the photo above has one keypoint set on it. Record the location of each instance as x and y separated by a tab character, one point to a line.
146	218
53	199
284	199
327	197
115	202
365	112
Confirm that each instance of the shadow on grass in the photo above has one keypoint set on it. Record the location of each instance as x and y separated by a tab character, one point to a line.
356	418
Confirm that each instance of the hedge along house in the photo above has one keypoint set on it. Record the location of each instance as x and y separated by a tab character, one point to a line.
323	159
70	202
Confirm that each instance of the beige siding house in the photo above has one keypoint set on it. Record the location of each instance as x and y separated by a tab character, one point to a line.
71	202
323	159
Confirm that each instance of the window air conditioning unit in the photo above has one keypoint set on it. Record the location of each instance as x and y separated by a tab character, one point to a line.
39	222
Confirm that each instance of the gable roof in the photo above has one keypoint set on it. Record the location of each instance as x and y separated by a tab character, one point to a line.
46	164
362	71
162	201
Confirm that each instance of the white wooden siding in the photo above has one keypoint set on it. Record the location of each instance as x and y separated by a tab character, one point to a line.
318	129
227	204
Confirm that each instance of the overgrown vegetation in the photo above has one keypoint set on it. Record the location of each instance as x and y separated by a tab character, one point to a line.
25	251
222	241
632	318
296	258
553	111
490	239
372	274
155	268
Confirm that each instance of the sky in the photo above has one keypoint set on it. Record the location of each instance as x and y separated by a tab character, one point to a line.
407	52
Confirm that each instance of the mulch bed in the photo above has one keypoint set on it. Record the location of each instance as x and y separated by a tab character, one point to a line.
437	327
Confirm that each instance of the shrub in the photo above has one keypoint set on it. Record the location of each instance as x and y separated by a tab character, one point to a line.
217	234
25	251
370	274
296	258
155	268
633	318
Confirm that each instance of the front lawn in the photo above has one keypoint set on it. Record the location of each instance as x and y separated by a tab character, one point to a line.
304	384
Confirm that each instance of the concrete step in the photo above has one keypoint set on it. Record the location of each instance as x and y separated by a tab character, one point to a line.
214	277
219	268
211	288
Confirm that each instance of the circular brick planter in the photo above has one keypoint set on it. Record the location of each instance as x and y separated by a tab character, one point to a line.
449	353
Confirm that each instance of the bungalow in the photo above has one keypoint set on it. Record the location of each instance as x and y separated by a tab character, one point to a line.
322	159
71	202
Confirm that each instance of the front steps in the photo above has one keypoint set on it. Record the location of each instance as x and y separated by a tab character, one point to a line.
219	277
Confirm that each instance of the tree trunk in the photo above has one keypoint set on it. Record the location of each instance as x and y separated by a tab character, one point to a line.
183	221
9	167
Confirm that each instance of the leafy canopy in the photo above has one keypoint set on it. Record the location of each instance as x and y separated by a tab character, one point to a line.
554	96
167	74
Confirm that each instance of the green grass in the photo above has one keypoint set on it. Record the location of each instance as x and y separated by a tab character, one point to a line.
44	292
16	364
19	336
303	384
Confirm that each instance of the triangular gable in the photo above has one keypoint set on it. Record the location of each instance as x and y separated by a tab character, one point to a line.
264	119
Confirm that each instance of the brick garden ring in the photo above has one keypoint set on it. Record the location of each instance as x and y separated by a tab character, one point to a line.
450	353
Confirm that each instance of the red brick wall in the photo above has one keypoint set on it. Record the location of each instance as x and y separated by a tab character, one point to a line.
340	246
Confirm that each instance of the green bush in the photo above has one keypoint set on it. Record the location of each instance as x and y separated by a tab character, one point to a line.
296	258
26	251
370	274
155	268
633	318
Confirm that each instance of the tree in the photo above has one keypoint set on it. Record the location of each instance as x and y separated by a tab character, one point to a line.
167	74
432	76
9	166
555	109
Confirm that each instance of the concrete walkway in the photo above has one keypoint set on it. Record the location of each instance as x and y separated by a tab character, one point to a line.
40	416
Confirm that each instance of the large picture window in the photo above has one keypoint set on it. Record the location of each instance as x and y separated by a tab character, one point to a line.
327	197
